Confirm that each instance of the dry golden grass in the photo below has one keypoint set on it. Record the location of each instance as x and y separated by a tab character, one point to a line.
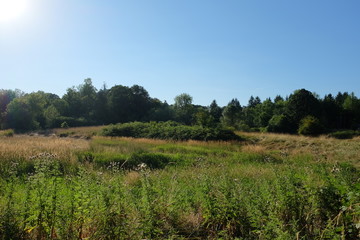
191	220
132	178
23	146
159	141
254	149
322	148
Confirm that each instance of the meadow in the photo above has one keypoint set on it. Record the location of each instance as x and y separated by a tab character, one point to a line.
266	186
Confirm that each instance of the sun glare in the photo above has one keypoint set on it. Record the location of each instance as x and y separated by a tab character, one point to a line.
12	9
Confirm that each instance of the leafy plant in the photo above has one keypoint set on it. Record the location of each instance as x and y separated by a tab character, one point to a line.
310	125
169	130
7	133
346	134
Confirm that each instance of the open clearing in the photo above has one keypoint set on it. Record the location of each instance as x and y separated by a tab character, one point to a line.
266	187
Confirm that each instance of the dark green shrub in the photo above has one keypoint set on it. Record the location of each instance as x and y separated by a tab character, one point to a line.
71	122
346	134
64	135
310	125
116	161
169	130
152	160
64	125
279	124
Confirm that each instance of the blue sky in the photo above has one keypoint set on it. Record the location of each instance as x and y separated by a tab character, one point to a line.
208	48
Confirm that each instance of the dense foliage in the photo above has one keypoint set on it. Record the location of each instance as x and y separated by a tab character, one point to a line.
169	130
85	105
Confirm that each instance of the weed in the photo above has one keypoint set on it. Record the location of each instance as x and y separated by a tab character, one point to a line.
271	187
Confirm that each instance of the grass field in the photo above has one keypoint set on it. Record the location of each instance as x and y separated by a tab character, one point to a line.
266	187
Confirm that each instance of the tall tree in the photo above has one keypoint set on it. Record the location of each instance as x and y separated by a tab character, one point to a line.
302	103
232	113
20	116
119	104
160	111
254	101
264	113
331	112
101	106
73	99
183	108
140	102
215	111
6	96
27	112
87	94
351	107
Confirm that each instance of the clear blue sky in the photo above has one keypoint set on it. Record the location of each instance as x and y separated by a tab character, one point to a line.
210	49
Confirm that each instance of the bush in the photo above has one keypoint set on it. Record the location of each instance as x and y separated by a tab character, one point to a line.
64	125
113	160
169	130
310	125
346	134
152	160
279	124
244	127
71	122
7	133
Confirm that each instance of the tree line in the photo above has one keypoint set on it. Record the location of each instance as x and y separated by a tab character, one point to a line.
301	112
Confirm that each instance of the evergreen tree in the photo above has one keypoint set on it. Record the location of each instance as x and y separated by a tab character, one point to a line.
215	111
232	113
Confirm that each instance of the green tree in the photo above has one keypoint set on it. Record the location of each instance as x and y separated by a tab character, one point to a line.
87	96
351	108
331	112
248	118
301	104
33	108
101	108
51	114
73	99
215	111
279	124
278	98
160	111
6	96
204	118
264	112
140	102
232	113
19	116
119	99
253	102
340	98
184	108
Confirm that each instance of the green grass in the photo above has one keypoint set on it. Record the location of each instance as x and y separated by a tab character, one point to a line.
270	187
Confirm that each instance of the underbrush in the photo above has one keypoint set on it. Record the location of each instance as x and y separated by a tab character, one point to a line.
151	189
345	134
169	131
7	133
122	161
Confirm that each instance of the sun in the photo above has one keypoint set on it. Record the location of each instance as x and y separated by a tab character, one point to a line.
12	9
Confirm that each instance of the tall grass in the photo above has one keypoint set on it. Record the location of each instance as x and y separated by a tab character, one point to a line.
186	190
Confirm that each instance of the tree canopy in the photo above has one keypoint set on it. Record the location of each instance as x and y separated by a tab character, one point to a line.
301	112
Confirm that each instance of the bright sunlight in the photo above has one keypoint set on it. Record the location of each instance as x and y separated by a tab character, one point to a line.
12	9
